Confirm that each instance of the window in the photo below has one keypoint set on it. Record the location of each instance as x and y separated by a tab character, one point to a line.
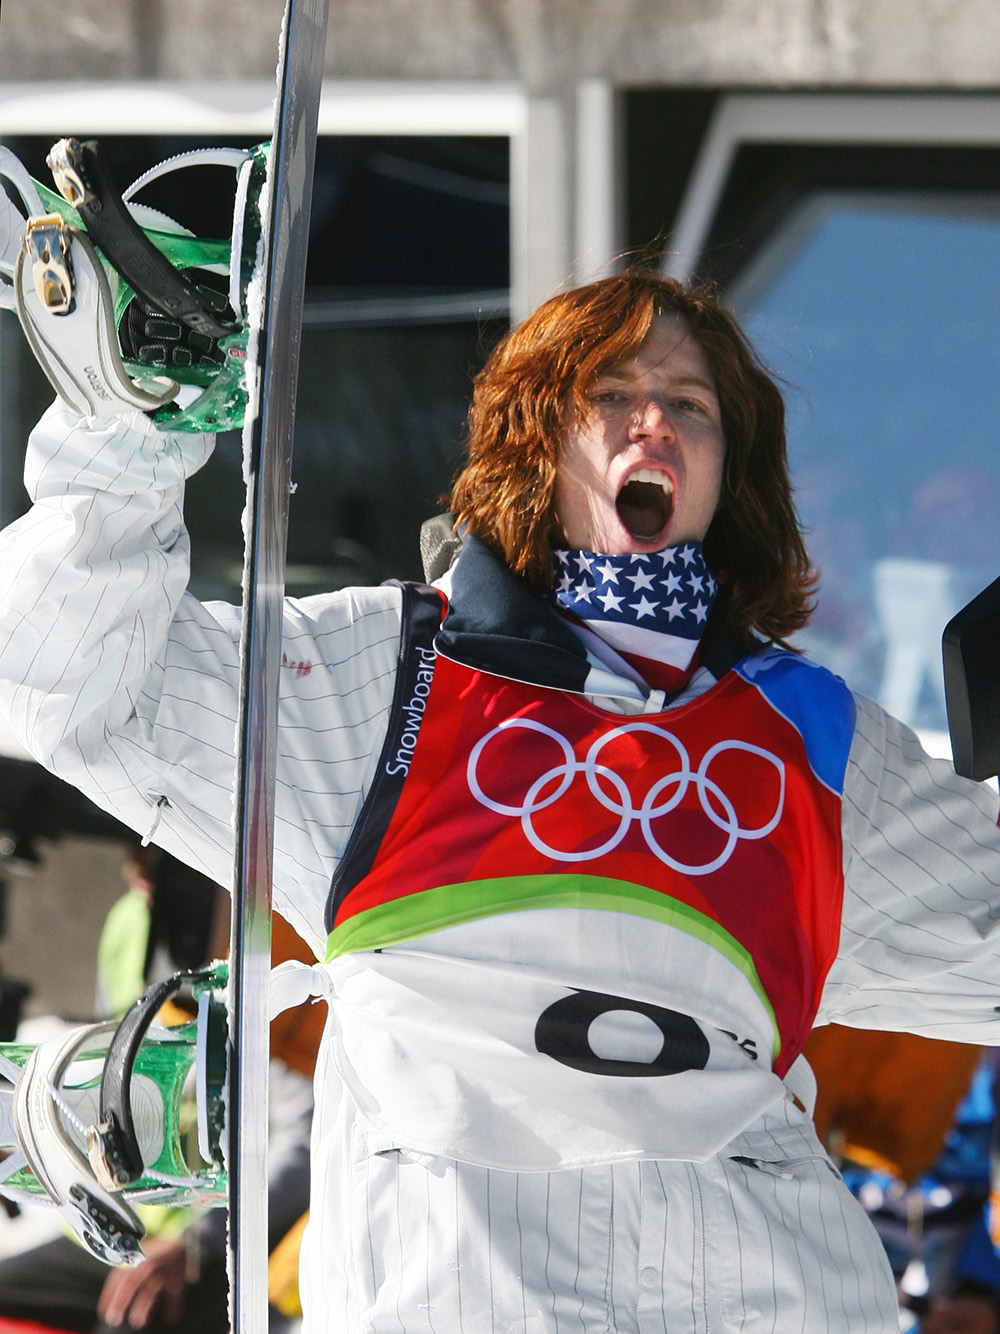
408	288
878	310
858	240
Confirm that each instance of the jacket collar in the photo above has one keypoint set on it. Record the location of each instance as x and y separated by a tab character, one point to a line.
495	624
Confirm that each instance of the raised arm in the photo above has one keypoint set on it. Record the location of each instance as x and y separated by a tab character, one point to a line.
122	683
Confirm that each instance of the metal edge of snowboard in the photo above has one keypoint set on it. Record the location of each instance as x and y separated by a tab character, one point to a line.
271	417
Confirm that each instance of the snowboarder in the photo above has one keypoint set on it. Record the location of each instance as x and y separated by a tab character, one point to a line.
584	849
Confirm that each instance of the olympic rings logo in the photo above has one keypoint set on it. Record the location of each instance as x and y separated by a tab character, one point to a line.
664	796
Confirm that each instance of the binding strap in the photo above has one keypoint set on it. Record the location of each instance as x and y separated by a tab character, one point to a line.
114	1149
85	184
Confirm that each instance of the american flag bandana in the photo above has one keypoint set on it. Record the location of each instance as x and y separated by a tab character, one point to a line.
651	606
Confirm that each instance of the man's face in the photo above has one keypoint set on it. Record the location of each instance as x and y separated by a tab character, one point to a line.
643	471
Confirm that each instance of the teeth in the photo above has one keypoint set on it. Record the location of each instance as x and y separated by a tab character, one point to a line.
651	475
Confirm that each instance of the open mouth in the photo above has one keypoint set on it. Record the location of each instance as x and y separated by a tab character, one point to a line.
645	503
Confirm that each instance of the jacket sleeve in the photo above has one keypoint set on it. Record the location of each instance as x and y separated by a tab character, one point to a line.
920	935
123	684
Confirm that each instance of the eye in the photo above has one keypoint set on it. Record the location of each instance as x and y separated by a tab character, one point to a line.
607	396
708	408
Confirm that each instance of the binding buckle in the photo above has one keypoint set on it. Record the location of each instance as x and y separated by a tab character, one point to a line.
102	1152
47	243
65	161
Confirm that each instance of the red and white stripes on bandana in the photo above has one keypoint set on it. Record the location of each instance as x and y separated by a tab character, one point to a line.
652	609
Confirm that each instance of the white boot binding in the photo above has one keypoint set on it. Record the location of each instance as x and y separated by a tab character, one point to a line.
187	379
93	1117
66	309
12	221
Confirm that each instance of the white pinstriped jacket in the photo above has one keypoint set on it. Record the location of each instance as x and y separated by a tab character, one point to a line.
126	686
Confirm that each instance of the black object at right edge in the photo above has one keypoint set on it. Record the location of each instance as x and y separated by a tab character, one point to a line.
970	647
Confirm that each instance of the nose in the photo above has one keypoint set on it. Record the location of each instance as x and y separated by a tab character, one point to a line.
651	419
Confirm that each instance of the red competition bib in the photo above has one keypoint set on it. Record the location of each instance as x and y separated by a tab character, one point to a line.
718	819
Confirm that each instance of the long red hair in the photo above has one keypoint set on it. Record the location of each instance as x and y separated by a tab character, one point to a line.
537	381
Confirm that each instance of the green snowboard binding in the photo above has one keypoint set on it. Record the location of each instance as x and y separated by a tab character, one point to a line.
123	307
94	1117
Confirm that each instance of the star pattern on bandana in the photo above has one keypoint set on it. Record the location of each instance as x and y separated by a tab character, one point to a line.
644	608
670	590
641	579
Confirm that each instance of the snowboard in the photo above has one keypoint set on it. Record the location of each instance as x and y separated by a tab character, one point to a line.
76	1101
272	358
